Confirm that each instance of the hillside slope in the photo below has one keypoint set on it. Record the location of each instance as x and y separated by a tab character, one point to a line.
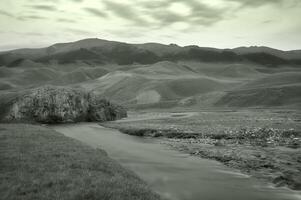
157	75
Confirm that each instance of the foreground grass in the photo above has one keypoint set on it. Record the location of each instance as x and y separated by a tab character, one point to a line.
39	163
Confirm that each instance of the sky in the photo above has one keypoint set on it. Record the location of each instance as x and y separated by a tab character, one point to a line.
207	23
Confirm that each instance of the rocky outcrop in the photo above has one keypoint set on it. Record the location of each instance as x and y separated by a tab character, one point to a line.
49	104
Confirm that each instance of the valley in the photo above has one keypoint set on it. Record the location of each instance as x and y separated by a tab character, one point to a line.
240	107
179	76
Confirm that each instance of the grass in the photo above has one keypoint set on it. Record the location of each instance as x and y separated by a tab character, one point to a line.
254	127
263	143
39	163
214	124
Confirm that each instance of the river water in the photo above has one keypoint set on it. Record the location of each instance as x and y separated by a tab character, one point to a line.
174	175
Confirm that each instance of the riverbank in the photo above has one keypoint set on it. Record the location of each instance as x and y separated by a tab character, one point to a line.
172	174
39	163
265	144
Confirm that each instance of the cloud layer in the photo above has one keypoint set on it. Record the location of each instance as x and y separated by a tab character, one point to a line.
225	21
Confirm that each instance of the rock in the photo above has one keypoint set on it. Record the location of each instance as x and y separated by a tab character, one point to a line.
51	104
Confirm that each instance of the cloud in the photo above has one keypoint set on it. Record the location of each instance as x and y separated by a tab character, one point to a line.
127	34
57	1
158	13
256	3
52	1
31	17
125	11
22	17
34	34
96	12
202	14
20	33
267	21
65	20
43	7
49	1
199	13
155	14
2	12
166	18
78	31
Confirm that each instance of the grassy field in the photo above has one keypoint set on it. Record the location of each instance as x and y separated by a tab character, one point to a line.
39	163
262	143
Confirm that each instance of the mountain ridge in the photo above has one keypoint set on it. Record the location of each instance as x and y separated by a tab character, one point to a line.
252	47
95	50
154	75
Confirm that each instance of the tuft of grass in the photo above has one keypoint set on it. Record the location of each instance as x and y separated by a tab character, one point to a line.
138	131
39	163
157	133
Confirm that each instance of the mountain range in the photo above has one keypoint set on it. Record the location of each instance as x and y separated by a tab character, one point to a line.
155	75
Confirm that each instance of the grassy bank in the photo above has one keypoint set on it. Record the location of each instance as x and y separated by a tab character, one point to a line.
39	163
265	143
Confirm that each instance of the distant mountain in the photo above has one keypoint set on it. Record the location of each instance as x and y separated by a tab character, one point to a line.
290	55
154	75
96	51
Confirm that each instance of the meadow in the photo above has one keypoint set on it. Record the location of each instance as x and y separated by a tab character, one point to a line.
262	143
39	163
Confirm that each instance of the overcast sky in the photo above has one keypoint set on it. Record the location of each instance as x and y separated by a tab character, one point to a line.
214	23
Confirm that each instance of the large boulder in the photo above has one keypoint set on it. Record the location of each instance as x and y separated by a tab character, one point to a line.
50	104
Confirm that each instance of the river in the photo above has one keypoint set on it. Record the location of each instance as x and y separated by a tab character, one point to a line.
174	175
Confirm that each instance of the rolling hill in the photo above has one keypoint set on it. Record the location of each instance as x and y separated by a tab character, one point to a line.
153	75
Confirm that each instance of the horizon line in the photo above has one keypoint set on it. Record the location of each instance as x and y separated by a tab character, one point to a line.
133	43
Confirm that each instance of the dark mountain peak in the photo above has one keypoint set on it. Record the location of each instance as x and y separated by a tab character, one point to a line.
100	50
255	49
85	43
81	54
191	46
263	49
